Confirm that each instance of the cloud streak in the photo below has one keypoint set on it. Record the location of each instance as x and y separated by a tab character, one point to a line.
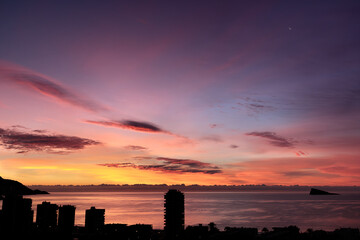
51	143
212	138
47	87
274	139
135	148
254	106
170	165
132	125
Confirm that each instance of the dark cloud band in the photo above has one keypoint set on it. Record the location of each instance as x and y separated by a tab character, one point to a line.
137	126
130	125
170	165
274	139
25	142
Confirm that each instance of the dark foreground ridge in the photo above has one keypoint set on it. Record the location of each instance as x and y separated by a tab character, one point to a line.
315	191
8	187
198	232
55	222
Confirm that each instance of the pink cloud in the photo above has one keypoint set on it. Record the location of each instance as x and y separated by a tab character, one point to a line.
137	126
47	87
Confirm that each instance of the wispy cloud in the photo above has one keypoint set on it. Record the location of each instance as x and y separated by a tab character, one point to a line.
130	124
170	165
300	153
19	126
51	143
186	162
254	106
47	87
306	173
274	139
326	101
135	148
212	138
342	170
137	126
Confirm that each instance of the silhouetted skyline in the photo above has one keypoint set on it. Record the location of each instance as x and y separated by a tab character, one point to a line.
17	223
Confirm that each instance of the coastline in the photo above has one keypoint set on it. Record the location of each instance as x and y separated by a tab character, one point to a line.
188	188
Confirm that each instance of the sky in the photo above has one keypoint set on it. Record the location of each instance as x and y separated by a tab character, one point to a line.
180	92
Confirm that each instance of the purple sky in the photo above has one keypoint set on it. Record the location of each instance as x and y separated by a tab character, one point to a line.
255	92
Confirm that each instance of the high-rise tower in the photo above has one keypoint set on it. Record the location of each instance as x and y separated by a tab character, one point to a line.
94	219
17	215
46	216
174	217
66	219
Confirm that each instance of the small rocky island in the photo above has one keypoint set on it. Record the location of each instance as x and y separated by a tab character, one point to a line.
315	191
8	186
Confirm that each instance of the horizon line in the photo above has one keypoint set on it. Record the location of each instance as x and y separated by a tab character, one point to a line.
189	185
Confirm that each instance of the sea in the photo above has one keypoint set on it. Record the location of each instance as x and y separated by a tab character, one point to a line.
233	209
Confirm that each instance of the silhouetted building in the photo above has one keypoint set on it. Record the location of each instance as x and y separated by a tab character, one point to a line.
66	219
140	231
94	219
289	232
241	233
115	228
17	215
1	220
197	232
174	214
46	216
213	228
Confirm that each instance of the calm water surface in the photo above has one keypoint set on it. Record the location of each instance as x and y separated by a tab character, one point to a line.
237	209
